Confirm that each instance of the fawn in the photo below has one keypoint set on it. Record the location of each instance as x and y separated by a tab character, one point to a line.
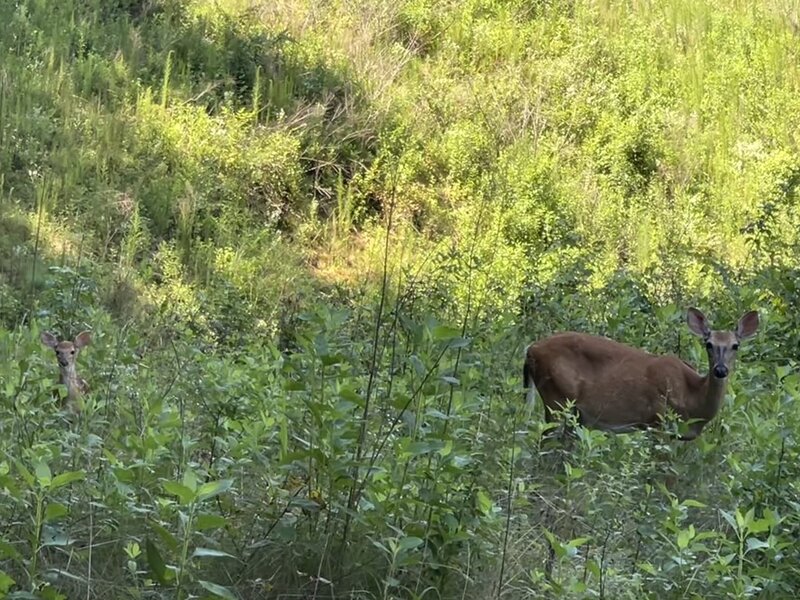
67	354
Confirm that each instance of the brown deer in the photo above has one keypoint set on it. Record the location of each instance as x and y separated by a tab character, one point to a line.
67	353
619	388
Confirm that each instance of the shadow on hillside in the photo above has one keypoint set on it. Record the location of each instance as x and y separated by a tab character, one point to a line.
19	265
87	143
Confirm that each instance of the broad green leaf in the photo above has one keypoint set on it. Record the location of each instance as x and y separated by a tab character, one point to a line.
6	582
94	441
739	520
132	549
184	494
462	461
156	563
43	474
647	568
8	551
754	543
759	525
749	517
559	548
594	568
124	475
400	401
684	538
407	543
417	448
66	478
729	518
292	385
436	414
771	516
214	488
573	472
26	475
217	590
450	380
447	448
166	536
205	521
419	367
210	552
55	511
483	502
329	360
190	480
459	343
348	393
444	332
306	504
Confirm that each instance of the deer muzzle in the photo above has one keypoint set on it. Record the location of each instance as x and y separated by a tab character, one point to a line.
720	371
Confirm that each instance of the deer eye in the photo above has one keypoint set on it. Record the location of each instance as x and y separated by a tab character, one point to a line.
709	345
72	351
735	346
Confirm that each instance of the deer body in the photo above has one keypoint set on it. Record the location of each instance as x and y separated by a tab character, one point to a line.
621	388
67	354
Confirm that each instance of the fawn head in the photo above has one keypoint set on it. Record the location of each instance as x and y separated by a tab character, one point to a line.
66	351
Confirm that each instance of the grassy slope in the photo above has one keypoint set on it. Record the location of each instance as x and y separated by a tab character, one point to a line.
208	184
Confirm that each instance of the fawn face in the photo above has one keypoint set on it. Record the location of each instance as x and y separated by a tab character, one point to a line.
66	351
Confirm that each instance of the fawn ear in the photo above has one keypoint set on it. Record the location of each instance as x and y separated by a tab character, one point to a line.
48	339
698	324
83	339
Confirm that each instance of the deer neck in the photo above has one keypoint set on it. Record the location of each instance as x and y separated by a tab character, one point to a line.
713	396
70	379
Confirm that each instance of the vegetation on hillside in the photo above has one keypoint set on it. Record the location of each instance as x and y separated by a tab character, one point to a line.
312	239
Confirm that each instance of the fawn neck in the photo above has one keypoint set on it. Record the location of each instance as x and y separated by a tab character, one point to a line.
70	379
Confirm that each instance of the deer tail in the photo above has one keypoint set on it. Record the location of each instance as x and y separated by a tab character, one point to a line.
527	380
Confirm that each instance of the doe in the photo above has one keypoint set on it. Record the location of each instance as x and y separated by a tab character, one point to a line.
619	388
67	353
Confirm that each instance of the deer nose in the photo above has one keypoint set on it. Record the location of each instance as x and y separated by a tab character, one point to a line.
720	371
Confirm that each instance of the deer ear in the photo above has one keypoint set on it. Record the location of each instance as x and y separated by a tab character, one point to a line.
748	325
48	339
697	323
83	339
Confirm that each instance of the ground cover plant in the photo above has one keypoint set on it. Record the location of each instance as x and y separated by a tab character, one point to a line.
311	242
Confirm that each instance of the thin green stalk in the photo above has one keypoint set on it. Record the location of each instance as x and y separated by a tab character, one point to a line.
36	538
184	558
354	487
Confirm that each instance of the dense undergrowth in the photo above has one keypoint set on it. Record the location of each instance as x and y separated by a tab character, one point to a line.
311	241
